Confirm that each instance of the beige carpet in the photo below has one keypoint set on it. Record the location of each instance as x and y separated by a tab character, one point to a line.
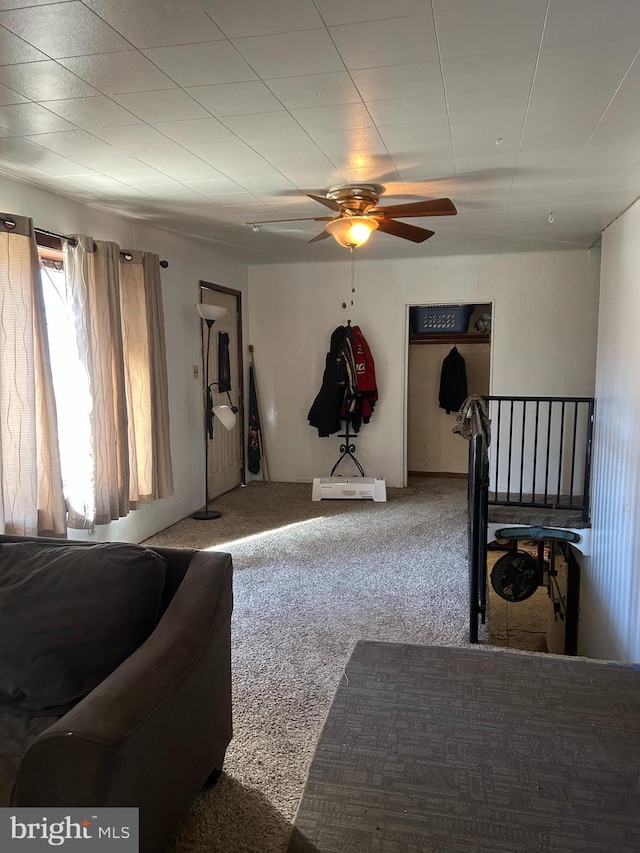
310	580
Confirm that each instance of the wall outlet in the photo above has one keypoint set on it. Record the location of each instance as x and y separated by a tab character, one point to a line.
196	371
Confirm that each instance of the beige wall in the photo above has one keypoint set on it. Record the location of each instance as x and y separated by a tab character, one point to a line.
543	340
432	446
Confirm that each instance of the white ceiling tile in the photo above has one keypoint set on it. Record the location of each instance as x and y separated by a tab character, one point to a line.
500	164
92	112
337	12
484	193
201	64
132	137
9	96
290	54
194	131
486	147
415	79
591	22
267	185
22	151
316	181
295	153
178	163
489	112
414	136
230	99
12	4
234	159
431	152
369	161
73	143
315	90
169	190
214	187
491	28
163	105
116	73
336	117
339	143
566	105
489	70
553	139
620	120
125	168
555	158
31	118
408	110
605	62
63	29
45	81
262	17
147	23
440	174
14	49
390	42
95	181
263	125
621	151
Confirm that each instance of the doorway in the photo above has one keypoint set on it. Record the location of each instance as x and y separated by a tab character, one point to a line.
433	449
226	456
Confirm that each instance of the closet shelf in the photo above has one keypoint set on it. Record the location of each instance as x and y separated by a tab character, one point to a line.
460	338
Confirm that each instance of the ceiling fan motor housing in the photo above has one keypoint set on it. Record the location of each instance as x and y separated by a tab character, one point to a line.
356	199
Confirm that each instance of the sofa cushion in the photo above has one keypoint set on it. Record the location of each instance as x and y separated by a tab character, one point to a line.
70	614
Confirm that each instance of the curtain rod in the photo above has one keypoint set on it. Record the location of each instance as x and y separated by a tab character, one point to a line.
126	255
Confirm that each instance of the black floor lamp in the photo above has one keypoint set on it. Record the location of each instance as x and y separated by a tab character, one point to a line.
225	414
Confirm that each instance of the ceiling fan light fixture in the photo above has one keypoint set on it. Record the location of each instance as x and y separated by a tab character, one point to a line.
351	231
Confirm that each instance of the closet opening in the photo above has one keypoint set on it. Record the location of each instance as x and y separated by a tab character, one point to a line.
447	344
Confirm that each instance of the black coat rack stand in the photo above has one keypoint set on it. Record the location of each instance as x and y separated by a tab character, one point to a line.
347	449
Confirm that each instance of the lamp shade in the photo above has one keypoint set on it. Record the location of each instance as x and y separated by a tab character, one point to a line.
351	231
210	312
226	416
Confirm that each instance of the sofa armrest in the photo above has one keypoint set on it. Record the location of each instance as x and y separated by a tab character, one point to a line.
155	729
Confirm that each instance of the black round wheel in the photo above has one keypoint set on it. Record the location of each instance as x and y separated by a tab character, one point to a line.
515	576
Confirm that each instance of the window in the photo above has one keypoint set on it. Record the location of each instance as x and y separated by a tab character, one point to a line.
72	389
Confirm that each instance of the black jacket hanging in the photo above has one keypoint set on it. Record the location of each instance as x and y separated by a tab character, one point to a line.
224	363
323	414
453	382
348	391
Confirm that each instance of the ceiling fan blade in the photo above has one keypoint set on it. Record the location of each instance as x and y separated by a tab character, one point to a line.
321	236
403	229
299	219
328	202
433	207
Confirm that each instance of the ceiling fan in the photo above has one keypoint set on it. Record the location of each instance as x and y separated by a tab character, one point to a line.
359	215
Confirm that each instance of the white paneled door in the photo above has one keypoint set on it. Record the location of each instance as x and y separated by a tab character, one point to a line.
226	465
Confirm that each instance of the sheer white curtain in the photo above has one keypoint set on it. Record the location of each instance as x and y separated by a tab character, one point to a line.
91	272
119	326
31	500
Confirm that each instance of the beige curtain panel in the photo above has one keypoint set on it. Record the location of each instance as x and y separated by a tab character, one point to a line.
120	327
31	500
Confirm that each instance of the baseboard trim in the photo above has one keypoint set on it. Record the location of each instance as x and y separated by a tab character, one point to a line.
450	474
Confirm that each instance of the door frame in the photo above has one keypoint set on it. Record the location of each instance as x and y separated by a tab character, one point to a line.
220	288
405	363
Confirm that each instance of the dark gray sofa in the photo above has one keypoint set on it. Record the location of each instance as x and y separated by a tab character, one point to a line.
155	729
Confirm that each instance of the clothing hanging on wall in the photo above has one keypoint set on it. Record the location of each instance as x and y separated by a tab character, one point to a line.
453	382
224	362
348	390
